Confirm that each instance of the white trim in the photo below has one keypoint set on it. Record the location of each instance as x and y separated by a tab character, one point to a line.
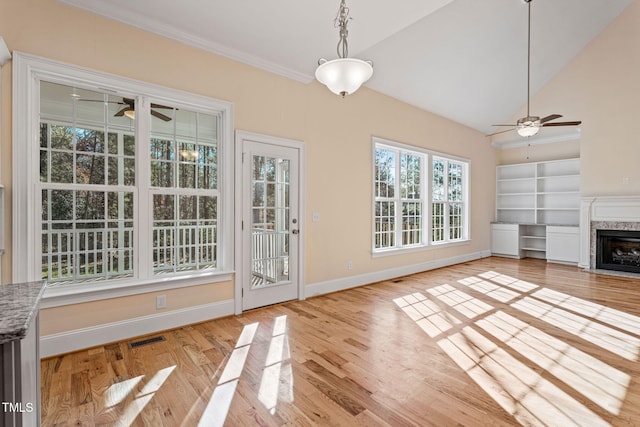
28	70
78	293
240	137
5	55
376	140
418	248
145	23
341	284
605	208
65	342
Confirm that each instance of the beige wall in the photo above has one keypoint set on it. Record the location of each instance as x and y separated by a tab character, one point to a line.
337	134
601	87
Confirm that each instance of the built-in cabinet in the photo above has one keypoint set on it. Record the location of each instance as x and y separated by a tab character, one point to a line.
538	210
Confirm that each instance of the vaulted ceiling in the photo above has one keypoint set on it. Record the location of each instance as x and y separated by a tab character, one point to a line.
462	59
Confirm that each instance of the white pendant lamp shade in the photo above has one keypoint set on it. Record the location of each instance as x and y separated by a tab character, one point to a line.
343	76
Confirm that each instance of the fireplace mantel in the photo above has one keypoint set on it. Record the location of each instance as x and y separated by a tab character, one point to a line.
610	209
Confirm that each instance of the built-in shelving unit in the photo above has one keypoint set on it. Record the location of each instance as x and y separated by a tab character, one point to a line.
539	193
533	196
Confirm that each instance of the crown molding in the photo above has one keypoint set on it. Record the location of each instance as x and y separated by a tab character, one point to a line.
146	24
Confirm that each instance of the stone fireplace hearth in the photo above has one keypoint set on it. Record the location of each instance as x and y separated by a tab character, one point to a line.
606	214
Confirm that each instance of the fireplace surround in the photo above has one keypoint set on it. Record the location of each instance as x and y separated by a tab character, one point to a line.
611	213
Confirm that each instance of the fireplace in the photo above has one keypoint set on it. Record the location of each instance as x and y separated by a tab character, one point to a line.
618	250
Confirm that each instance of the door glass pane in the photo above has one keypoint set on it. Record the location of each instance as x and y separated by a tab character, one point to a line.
269	221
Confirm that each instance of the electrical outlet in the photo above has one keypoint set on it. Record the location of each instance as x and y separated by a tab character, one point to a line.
350	265
161	302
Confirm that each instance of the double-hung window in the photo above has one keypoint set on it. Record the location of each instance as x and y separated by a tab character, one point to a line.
420	197
447	200
130	187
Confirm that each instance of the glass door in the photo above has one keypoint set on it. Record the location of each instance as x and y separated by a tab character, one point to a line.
270	224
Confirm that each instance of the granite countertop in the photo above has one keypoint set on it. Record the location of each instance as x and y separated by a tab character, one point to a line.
18	305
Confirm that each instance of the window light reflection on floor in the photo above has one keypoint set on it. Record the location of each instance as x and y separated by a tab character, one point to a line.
522	392
589	376
277	377
519	389
596	333
218	406
141	399
117	392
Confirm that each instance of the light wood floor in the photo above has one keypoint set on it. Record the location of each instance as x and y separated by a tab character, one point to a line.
491	342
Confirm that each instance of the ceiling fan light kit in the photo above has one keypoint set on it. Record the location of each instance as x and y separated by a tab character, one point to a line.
530	125
343	76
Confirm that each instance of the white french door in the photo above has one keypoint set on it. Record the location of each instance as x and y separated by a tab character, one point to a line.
269	267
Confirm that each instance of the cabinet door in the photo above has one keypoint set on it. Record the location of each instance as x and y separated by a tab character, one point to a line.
504	239
563	244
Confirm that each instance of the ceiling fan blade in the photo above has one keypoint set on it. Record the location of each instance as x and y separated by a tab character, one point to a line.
505	125
160	106
549	118
502	131
121	112
576	123
160	116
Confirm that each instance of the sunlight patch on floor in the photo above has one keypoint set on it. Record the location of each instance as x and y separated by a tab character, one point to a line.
596	333
532	398
277	377
589	376
427	314
465	304
141	399
218	406
117	392
618	319
522	392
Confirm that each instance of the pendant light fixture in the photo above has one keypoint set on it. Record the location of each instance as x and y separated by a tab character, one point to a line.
344	75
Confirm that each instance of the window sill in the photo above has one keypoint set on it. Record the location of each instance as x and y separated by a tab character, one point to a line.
411	249
56	296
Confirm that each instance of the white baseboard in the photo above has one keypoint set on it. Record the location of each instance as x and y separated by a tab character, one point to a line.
78	339
377	276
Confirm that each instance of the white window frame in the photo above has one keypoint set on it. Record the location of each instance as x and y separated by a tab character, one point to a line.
427	157
28	71
447	203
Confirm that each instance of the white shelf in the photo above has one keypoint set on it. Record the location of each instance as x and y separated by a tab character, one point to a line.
534	198
539	192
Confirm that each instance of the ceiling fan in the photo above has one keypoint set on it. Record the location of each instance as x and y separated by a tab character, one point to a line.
129	108
530	125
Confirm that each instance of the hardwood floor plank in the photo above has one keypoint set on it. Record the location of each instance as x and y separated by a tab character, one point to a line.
493	342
